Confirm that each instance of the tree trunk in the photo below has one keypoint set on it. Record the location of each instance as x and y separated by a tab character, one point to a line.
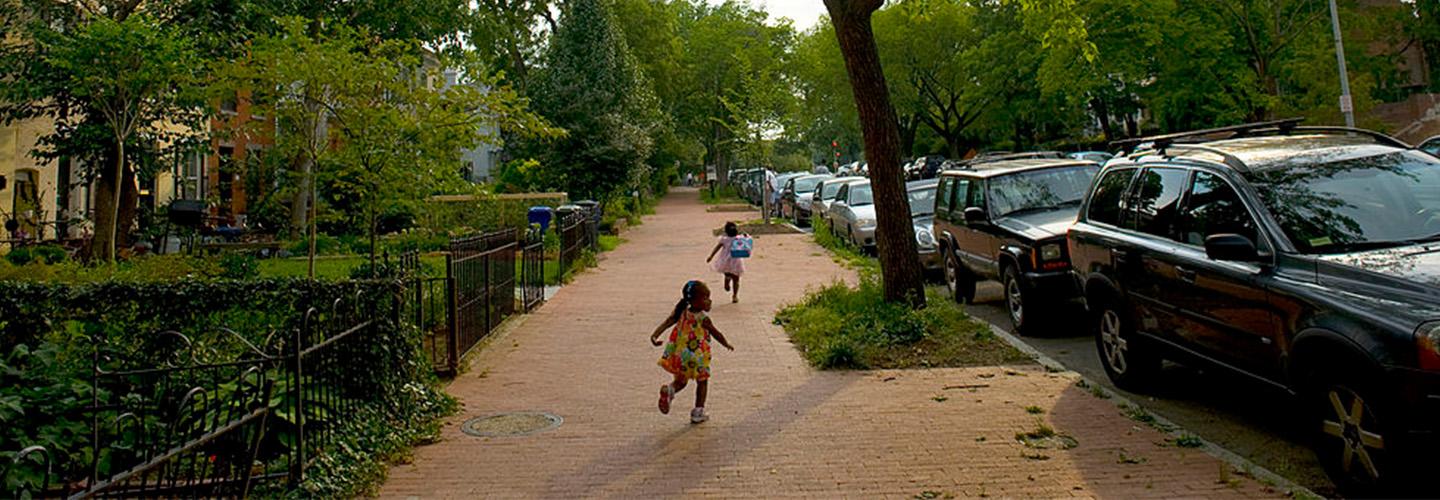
1102	113
107	208
300	205
895	234
129	208
954	145
908	128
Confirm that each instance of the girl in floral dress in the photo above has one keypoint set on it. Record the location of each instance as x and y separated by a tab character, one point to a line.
687	354
729	266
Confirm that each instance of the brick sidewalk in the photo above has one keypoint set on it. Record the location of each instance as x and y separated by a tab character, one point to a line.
777	428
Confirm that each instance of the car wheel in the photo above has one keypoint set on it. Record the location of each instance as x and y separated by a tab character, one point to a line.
957	280
1015	303
1127	360
1352	440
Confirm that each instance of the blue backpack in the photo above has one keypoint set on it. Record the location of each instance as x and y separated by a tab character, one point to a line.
741	246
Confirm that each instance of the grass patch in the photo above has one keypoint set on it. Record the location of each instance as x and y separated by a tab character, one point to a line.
845	253
1189	441
1034	410
610	243
1139	414
840	327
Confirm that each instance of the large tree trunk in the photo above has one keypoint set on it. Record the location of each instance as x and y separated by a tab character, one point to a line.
107	208
129	208
300	204
895	234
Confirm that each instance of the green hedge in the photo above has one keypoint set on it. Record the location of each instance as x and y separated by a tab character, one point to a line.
51	331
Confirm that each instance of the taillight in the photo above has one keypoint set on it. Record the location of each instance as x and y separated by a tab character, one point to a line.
1427	339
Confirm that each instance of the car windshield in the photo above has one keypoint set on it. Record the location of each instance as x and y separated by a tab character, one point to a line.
860	195
807	184
1357	204
922	201
1044	189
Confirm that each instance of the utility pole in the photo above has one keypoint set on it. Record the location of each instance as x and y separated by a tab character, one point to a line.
1347	105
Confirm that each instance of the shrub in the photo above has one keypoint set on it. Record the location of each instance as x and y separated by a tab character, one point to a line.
45	254
238	266
839	326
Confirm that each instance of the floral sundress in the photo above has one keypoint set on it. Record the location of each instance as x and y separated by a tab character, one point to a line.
687	354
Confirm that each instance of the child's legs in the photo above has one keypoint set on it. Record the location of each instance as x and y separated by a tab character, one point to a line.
677	384
701	388
736	285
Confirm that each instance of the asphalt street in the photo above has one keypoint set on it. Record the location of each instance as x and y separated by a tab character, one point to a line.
1242	417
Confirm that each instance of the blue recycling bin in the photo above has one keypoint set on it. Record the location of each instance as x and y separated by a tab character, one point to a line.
540	215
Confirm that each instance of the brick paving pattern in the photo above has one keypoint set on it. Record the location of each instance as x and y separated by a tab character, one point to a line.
777	427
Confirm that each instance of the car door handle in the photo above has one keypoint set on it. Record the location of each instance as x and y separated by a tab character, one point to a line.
1120	257
1186	275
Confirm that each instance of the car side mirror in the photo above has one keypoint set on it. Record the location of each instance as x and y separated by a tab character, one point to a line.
976	215
1231	248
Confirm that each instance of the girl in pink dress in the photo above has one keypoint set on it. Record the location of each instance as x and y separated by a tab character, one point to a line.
731	267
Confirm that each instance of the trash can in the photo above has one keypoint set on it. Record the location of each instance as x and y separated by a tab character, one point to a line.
564	211
592	206
540	215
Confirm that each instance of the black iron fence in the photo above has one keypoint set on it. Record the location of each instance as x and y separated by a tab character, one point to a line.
574	238
532	272
175	422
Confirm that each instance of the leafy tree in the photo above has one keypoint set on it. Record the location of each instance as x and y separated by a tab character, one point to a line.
593	88
133	79
895	234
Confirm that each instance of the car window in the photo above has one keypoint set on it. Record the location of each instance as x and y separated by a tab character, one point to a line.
1043	189
1355	204
1213	207
844	193
1431	146
1157	200
830	190
806	184
860	195
971	193
1106	203
922	201
943	192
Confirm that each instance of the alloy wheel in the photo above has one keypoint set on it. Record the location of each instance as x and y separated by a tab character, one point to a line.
1015	301
1351	425
1114	345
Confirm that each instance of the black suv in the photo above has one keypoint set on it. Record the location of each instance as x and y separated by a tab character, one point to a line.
1006	220
1304	258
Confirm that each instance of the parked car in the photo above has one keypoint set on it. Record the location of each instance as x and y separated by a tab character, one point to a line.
777	197
927	167
795	200
1306	259
736	178
852	214
824	193
1006	221
921	195
1096	156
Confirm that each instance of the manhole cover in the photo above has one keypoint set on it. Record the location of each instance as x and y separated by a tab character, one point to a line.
520	423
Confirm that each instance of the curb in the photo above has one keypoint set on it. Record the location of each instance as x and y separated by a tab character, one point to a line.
1262	474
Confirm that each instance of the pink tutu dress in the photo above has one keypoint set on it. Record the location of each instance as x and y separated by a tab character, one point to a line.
724	263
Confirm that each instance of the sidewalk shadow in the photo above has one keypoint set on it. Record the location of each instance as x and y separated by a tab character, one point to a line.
668	471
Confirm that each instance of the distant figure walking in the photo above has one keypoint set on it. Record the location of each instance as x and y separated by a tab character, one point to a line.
687	353
729	264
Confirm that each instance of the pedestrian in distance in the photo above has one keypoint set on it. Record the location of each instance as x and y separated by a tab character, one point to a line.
687	353
733	248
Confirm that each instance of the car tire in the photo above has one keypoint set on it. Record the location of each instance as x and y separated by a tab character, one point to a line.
1355	451
957	279
1128	360
1017	304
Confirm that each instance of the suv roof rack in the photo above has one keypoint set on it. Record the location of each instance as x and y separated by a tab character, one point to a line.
1160	141
991	158
1277	127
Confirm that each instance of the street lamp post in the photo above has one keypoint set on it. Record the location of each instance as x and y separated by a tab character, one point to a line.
1347	105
